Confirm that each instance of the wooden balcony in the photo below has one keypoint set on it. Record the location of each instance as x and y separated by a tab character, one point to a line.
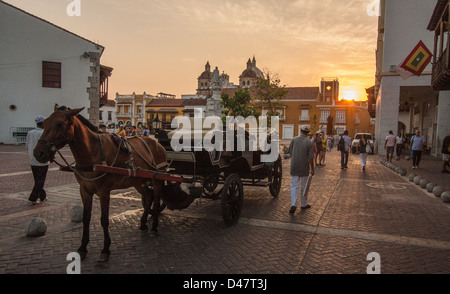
441	73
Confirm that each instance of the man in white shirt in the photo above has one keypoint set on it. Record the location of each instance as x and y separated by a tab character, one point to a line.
39	169
389	145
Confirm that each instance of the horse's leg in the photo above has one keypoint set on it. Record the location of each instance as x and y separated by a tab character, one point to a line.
157	191
147	199
104	205
86	197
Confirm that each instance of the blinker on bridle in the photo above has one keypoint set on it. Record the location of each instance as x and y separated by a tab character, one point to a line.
50	146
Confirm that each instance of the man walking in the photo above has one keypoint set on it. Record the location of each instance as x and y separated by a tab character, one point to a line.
389	145
445	153
345	148
39	169
301	151
417	143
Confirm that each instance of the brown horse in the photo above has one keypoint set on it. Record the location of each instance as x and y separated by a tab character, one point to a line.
66	126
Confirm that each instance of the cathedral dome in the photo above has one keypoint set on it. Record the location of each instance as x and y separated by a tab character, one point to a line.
252	71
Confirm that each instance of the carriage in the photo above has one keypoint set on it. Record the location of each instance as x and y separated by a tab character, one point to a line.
163	176
206	170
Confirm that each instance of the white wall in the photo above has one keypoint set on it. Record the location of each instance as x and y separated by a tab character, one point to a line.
405	25
26	41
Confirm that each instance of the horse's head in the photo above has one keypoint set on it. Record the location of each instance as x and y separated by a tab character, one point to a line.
58	130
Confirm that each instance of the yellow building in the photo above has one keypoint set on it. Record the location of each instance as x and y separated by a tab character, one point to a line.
130	109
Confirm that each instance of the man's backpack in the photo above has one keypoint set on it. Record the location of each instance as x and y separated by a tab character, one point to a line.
341	144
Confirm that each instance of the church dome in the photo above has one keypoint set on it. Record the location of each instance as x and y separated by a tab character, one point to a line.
207	74
252	71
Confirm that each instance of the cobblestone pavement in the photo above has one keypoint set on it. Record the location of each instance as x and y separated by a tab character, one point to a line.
353	213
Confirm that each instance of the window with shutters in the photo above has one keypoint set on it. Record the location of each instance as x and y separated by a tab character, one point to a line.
51	74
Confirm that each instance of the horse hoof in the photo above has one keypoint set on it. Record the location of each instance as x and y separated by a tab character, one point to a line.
103	257
144	229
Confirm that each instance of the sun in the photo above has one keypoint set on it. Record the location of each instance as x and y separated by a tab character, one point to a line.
350	95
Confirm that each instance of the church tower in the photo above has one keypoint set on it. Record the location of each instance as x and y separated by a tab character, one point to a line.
329	90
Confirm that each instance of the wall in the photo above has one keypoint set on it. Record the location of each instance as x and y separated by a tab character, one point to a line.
26	41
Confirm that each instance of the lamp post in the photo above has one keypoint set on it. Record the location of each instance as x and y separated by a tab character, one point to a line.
156	125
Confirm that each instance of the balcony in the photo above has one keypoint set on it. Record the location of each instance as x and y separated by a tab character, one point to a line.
121	114
304	118
440	79
323	120
341	120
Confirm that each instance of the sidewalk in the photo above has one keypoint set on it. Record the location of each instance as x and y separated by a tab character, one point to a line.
429	168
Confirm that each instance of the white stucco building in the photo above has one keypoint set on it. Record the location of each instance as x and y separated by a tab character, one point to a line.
404	106
42	64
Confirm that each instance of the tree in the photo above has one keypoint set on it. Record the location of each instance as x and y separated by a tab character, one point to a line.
238	105
269	92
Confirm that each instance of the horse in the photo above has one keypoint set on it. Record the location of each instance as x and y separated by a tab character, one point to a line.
67	126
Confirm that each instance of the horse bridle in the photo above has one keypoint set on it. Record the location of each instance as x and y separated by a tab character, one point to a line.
51	147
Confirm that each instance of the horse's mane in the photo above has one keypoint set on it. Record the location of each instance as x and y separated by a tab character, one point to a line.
87	123
83	120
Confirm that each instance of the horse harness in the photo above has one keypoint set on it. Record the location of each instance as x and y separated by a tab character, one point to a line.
123	144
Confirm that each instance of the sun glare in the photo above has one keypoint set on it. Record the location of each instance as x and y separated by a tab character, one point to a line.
350	95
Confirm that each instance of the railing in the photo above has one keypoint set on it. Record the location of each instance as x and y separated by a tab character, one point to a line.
304	118
441	76
341	121
120	114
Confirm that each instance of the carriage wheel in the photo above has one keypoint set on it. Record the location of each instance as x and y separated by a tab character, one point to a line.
231	199
276	178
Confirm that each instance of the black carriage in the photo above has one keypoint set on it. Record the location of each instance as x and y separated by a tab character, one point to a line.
221	174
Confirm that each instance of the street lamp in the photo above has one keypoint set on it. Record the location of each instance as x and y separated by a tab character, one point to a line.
157	124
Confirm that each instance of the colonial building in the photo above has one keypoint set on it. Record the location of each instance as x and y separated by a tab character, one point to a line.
107	115
42	64
406	104
161	112
130	109
440	79
315	107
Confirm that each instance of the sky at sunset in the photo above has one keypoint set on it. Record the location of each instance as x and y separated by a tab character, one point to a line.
163	45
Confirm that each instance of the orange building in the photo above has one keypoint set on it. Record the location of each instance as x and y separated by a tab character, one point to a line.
314	105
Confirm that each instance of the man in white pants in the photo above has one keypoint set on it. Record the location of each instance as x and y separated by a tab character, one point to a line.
301	151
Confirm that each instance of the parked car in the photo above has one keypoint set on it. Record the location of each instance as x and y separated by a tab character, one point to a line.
358	137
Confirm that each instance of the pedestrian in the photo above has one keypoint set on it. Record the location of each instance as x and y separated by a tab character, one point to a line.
399	141
102	128
446	153
146	132
417	144
364	147
324	148
301	151
329	143
38	169
344	147
140	131
121	131
389	145
318	149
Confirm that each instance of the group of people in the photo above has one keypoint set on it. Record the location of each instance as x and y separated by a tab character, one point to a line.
130	131
417	143
322	144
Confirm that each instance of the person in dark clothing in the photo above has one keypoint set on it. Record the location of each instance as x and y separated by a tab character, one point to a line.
446	154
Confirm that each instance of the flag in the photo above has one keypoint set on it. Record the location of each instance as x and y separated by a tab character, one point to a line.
416	61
